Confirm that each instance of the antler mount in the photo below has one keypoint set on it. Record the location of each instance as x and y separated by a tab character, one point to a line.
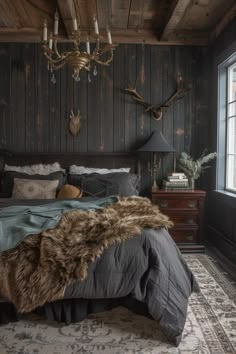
157	110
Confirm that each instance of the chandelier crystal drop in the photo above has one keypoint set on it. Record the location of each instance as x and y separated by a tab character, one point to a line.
76	58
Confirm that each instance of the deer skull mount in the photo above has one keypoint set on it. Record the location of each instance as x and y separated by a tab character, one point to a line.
75	123
158	110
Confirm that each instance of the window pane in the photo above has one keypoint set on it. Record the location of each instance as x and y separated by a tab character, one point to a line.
232	83
232	109
231	141
231	172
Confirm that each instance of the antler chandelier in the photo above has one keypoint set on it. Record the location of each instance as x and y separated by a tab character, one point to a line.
75	58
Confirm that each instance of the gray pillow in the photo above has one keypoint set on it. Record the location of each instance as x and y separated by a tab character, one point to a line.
97	185
7	180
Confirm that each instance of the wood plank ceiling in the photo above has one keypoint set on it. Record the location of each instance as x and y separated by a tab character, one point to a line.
131	21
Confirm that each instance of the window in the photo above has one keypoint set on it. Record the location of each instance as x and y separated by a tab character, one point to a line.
231	129
226	125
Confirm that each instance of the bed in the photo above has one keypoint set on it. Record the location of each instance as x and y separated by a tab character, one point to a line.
141	269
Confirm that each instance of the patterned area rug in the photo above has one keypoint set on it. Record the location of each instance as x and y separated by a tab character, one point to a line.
210	326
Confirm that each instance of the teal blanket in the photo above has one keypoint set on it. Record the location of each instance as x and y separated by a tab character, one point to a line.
16	222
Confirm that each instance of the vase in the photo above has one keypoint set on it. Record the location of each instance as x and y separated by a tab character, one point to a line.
191	183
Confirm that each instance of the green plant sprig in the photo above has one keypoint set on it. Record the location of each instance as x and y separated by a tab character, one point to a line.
191	168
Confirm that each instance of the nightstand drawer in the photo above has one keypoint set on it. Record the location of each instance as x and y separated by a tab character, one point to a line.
184	219
185	209
176	203
184	235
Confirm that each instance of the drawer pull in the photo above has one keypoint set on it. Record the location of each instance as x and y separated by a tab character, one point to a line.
191	204
164	204
190	221
190	237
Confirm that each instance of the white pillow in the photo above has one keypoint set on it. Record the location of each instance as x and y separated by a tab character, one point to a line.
38	169
34	189
81	170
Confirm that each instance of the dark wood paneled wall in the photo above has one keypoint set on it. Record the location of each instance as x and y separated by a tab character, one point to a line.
34	112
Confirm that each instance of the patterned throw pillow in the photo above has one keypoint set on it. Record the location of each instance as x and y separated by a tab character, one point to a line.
7	180
34	189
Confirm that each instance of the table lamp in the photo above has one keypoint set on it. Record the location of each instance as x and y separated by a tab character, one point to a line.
156	143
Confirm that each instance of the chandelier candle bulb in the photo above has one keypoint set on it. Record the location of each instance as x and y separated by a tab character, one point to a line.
96	30
45	31
88	46
50	42
109	35
75	24
56	23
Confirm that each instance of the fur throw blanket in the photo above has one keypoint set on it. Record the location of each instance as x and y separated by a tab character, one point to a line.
42	266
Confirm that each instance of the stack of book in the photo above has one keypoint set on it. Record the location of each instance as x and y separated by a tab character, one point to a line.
175	181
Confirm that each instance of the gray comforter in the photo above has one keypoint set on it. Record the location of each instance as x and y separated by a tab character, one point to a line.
149	268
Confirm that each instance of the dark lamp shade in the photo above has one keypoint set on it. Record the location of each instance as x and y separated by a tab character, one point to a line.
156	143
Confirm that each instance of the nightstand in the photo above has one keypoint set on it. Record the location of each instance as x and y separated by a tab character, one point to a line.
185	209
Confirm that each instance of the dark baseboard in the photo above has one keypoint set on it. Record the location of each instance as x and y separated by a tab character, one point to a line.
191	248
225	246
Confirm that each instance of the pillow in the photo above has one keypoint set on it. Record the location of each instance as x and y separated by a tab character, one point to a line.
70	192
81	170
123	184
34	189
7	180
39	169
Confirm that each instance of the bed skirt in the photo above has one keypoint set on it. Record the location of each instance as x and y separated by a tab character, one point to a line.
73	310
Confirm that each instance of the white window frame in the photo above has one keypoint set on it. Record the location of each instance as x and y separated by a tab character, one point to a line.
229	173
222	131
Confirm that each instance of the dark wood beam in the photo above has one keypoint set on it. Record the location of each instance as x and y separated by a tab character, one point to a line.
176	16
129	36
20	35
87	9
223	23
190	37
148	37
67	11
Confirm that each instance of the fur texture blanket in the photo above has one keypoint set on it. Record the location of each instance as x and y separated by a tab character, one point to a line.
42	266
